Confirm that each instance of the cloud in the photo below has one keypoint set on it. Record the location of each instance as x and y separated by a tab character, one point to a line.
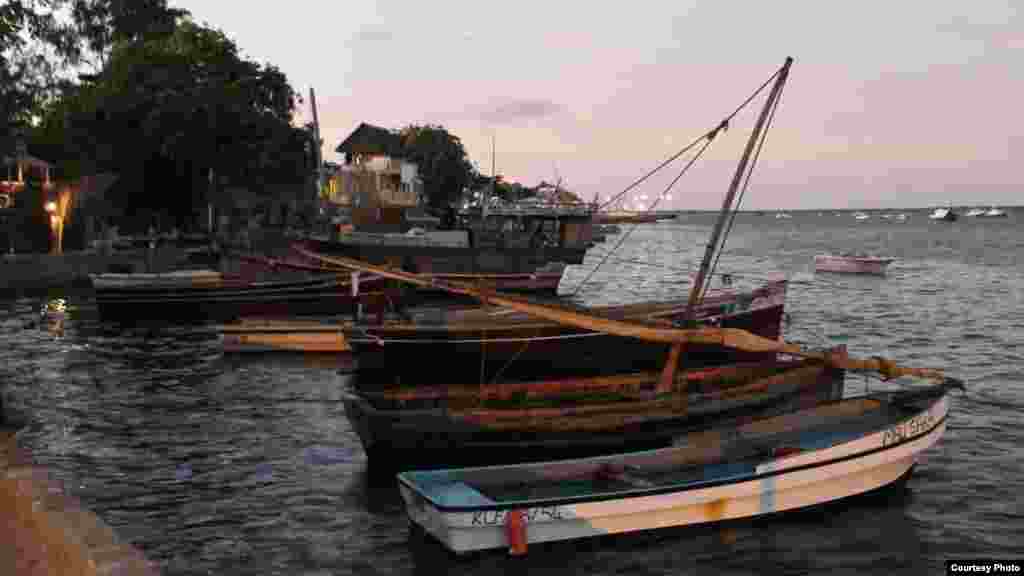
523	109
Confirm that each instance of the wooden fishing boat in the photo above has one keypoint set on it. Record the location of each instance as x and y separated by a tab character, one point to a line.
542	279
260	335
851	264
514	249
227	299
434	426
176	279
516	346
787	462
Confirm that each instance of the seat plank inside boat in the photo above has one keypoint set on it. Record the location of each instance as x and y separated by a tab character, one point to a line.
707	456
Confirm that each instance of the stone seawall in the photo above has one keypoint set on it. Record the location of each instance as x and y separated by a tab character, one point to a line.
33	272
45	531
41	271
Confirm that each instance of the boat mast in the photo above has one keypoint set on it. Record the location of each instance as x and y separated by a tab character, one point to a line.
668	372
317	153
712	246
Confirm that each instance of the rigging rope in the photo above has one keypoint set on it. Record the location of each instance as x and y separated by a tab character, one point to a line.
634	226
723	125
746	180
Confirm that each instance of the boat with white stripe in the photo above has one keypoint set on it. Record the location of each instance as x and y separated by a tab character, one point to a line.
797	460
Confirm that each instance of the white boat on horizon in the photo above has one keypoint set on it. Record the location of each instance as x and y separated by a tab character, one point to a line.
975	212
946	214
861	216
993	212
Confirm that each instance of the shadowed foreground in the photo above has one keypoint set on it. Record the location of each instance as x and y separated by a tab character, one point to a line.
43	531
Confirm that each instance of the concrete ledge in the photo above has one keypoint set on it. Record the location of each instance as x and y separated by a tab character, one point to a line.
45	531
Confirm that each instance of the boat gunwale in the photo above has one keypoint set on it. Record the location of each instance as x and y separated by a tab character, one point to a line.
682	487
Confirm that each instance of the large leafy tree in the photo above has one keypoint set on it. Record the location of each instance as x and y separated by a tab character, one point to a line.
170	107
34	43
442	161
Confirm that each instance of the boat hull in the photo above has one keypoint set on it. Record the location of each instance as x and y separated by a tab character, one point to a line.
396	438
521	269
836	471
229	300
851	265
523	350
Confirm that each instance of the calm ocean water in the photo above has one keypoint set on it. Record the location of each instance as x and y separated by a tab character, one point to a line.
225	465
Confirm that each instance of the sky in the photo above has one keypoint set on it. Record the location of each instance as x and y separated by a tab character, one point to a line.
888	105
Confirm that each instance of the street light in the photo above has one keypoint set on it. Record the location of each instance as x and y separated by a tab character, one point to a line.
55	227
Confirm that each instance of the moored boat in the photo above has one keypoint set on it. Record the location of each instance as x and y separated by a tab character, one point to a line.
439	426
851	264
786	462
975	212
861	216
226	299
516	346
513	248
943	214
993	212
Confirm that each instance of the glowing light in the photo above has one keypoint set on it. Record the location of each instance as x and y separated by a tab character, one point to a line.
51	207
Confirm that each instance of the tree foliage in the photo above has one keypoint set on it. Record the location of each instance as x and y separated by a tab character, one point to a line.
170	105
33	45
442	161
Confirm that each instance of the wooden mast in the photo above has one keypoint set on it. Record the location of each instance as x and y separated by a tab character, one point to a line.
672	363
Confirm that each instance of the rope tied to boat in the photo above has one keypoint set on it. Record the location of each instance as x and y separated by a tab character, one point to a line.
886	367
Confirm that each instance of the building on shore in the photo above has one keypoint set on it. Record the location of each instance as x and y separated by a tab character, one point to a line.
375	186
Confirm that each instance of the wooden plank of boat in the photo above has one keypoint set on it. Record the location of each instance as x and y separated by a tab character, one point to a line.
265	335
610	405
806	458
165	279
309	342
397	433
636	382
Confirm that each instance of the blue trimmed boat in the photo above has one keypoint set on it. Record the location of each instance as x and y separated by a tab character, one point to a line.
805	458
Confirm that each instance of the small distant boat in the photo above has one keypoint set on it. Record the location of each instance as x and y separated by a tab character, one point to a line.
975	212
993	212
782	216
798	460
945	214
900	217
861	216
851	264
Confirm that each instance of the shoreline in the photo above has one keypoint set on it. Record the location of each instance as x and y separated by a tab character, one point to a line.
46	531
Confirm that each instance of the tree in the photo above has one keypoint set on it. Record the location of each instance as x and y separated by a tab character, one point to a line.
29	32
442	162
167	109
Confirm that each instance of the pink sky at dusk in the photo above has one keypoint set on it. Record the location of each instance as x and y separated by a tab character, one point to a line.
889	104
